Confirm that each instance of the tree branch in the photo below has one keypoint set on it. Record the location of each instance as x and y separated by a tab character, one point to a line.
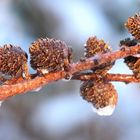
20	85
127	78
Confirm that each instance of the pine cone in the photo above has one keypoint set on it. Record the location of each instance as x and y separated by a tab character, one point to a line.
133	62
13	61
49	55
102	95
128	42
94	47
133	25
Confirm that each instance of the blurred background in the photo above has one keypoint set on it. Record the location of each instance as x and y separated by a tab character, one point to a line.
57	112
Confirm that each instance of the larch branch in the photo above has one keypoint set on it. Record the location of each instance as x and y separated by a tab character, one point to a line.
23	86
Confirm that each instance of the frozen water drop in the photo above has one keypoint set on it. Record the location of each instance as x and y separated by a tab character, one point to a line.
85	46
67	78
37	89
1	103
106	111
137	55
23	75
44	71
85	53
82	59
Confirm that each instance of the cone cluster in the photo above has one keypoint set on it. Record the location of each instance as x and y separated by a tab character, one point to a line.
133	62
46	55
51	55
133	26
99	93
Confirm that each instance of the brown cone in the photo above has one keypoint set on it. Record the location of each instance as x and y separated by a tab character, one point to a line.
49	54
133	25
100	94
133	62
13	61
93	47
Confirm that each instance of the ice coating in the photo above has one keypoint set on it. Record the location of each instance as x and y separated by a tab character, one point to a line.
106	111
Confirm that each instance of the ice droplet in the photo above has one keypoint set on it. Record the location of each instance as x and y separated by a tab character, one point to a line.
137	55
23	75
106	111
1	103
37	89
44	71
67	78
85	53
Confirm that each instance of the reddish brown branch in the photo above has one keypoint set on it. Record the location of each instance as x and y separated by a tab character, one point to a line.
127	78
28	85
104	58
122	78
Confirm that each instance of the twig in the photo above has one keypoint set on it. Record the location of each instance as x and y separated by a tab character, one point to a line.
28	85
127	78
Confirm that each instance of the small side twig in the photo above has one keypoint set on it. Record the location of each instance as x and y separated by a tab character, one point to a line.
127	78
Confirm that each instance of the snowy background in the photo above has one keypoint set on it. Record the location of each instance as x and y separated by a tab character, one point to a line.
57	112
